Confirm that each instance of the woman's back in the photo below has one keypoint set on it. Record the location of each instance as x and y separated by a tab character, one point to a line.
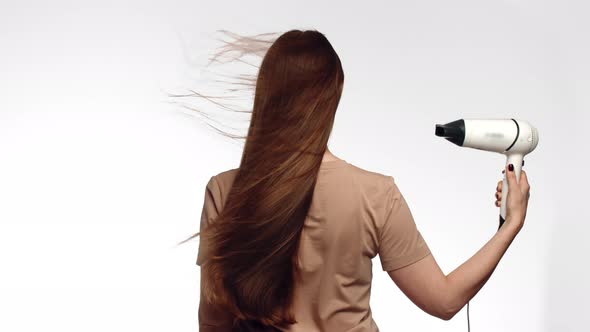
355	214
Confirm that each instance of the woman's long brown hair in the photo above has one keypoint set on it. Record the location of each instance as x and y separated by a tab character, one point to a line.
254	241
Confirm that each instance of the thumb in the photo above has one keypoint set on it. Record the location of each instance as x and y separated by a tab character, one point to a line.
510	178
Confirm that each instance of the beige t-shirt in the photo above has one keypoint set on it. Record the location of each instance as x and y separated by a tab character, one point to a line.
355	214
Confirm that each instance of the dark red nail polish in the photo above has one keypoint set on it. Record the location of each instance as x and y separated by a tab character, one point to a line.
510	167
503	171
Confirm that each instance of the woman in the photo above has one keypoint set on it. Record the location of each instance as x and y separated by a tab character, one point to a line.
288	237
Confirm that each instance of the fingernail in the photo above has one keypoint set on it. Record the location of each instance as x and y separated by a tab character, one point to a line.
503	171
510	167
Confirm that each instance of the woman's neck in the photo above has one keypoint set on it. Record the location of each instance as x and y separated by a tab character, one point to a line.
328	156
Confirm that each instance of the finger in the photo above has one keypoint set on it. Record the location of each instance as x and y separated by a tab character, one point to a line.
498	195
510	178
524	181
499	186
498	203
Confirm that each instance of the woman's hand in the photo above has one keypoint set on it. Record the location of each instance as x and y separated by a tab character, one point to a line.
518	196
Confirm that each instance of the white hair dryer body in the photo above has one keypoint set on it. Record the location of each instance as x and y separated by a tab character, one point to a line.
511	137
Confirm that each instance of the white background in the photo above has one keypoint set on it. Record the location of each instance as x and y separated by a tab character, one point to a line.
100	176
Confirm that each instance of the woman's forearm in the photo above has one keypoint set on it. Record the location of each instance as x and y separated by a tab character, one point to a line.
466	280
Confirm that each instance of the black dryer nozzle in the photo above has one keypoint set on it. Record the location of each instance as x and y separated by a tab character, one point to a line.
453	131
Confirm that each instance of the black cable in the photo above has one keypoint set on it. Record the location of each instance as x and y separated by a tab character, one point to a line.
468	327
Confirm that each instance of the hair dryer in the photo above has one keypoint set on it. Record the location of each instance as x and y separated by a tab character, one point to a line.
511	137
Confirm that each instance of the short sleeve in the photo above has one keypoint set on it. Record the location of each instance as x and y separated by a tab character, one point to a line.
209	212
400	241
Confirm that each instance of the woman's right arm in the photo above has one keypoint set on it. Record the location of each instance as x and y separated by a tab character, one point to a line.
443	296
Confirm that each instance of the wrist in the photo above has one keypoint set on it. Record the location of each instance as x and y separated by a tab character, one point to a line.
513	223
